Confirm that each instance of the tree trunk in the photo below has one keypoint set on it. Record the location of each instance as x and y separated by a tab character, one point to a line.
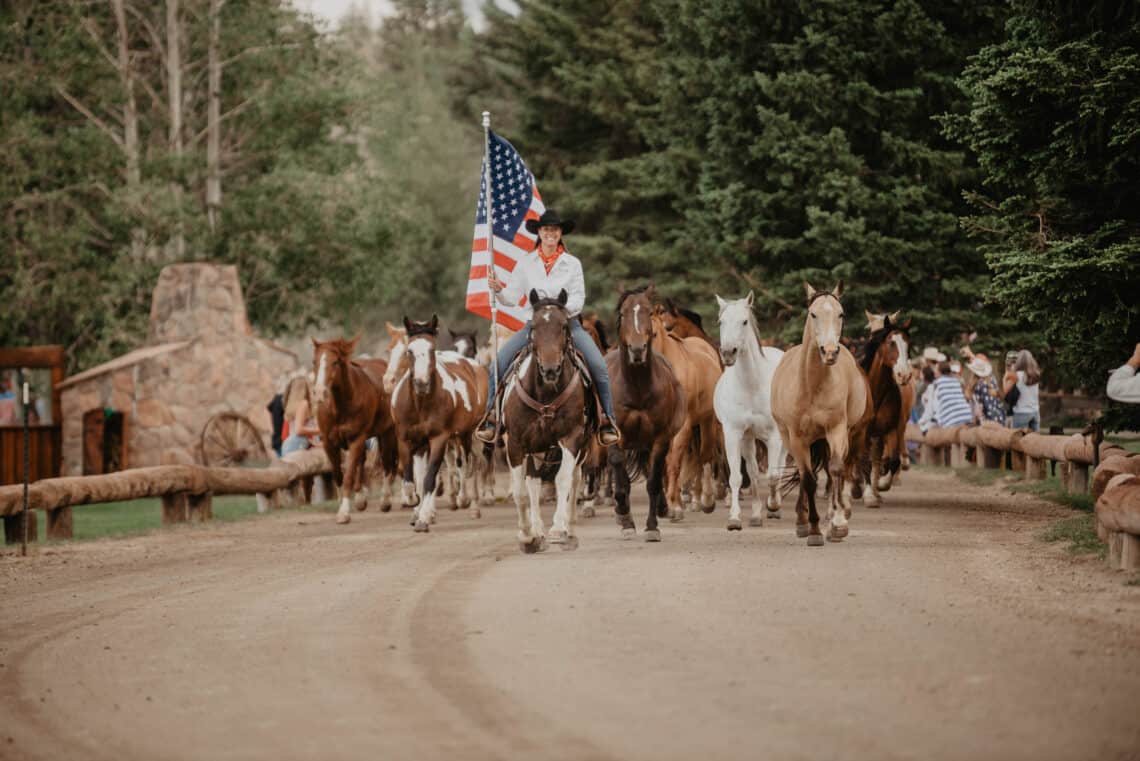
130	124
213	120
174	95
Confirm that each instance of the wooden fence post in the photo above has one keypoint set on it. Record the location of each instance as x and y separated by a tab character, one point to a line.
1078	478
200	507
323	488
175	507
1034	468
59	523
267	501
14	528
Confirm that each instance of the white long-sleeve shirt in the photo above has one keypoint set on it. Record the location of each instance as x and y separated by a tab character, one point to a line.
1124	385
530	273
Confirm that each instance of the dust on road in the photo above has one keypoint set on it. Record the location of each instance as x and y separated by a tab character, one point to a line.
941	629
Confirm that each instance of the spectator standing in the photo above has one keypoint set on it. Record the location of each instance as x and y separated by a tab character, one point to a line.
1025	376
1124	383
300	427
988	404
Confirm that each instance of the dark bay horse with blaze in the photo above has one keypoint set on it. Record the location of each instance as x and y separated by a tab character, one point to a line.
351	408
650	407
545	409
434	403
887	367
821	404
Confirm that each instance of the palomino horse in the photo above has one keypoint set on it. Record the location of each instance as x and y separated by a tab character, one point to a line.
821	403
544	409
351	408
650	407
743	404
696	446
892	395
435	403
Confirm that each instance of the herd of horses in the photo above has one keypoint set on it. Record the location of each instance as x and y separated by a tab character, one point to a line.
698	418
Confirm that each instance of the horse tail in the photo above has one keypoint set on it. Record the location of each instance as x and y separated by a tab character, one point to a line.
636	464
791	477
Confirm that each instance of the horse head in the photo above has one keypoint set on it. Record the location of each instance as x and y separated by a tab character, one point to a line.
666	312
465	343
635	323
330	365
736	328
420	353
825	321
549	335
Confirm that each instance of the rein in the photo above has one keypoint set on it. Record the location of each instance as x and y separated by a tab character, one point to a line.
546	412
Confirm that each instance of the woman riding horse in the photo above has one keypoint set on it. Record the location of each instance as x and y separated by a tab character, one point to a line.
548	269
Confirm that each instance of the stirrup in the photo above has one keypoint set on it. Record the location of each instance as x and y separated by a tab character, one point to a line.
488	430
616	436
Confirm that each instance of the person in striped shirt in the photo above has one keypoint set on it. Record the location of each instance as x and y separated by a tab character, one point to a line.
948	406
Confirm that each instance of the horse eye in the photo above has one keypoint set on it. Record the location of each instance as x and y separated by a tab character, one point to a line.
744	322
812	315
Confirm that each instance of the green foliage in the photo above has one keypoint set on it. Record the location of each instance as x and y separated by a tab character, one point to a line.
1055	122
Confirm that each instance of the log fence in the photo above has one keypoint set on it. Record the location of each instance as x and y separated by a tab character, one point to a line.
186	491
1115	482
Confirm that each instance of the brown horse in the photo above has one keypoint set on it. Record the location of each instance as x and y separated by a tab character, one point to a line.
351	408
683	323
821	403
650	407
697	445
595	468
886	365
435	402
545	412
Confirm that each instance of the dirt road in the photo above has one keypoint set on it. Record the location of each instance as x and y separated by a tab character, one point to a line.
941	629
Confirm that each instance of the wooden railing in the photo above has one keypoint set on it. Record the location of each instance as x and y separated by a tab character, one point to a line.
993	446
185	491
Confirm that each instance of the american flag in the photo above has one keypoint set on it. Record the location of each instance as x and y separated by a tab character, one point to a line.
514	199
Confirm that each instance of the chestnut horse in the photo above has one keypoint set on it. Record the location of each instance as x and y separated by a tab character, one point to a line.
351	407
887	367
697	445
435	403
544	411
683	323
821	403
650	407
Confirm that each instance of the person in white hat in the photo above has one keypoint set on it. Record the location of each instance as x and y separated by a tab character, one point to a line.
987	401
933	357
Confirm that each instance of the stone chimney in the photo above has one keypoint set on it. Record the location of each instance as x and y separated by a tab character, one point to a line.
197	300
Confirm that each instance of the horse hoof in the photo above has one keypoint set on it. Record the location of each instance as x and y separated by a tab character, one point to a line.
474	513
772	514
486	501
455	506
556	536
847	513
837	533
708	509
628	533
815	540
802	530
873	505
421	527
587	512
570	544
756	521
361	505
343	518
534	545
386	507
734	524
652	535
677	516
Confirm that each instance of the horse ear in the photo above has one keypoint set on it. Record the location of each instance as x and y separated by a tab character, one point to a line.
434	324
809	291
352	343
895	316
906	325
532	296
720	303
751	297
407	324
563	297
838	289
316	343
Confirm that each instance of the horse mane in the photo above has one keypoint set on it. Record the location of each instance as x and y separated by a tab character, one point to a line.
342	347
421	329
875	340
631	292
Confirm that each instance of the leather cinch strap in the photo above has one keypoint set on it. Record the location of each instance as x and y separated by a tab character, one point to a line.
546	412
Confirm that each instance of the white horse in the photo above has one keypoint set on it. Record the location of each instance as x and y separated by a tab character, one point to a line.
743	405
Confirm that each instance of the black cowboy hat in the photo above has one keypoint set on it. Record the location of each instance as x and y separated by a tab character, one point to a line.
549	218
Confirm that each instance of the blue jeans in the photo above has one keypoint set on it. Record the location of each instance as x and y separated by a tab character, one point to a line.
294	444
1030	420
582	342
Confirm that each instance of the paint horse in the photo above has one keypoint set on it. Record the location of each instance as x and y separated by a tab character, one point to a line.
436	402
822	405
743	404
650	407
886	365
696	447
544	410
351	407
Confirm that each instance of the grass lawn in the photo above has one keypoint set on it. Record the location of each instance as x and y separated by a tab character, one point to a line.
1129	443
140	515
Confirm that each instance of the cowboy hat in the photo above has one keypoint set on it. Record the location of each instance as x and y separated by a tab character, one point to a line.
549	218
932	354
980	366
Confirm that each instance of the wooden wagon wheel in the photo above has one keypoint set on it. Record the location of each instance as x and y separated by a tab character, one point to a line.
229	439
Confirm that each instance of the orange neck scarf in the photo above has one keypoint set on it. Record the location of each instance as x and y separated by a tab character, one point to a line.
548	261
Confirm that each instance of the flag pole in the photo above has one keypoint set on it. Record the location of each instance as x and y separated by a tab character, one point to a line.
491	273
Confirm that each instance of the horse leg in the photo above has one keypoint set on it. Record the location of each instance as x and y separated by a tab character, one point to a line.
775	471
839	505
620	481
407	468
875	500
748	449
654	485
673	465
575	487
447	475
732	439
705	459
537	527
564	483
431	462
350	479
360	480
528	542
419	474
889	455
468	481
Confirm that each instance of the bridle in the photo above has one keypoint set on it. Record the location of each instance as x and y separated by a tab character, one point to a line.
548	411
